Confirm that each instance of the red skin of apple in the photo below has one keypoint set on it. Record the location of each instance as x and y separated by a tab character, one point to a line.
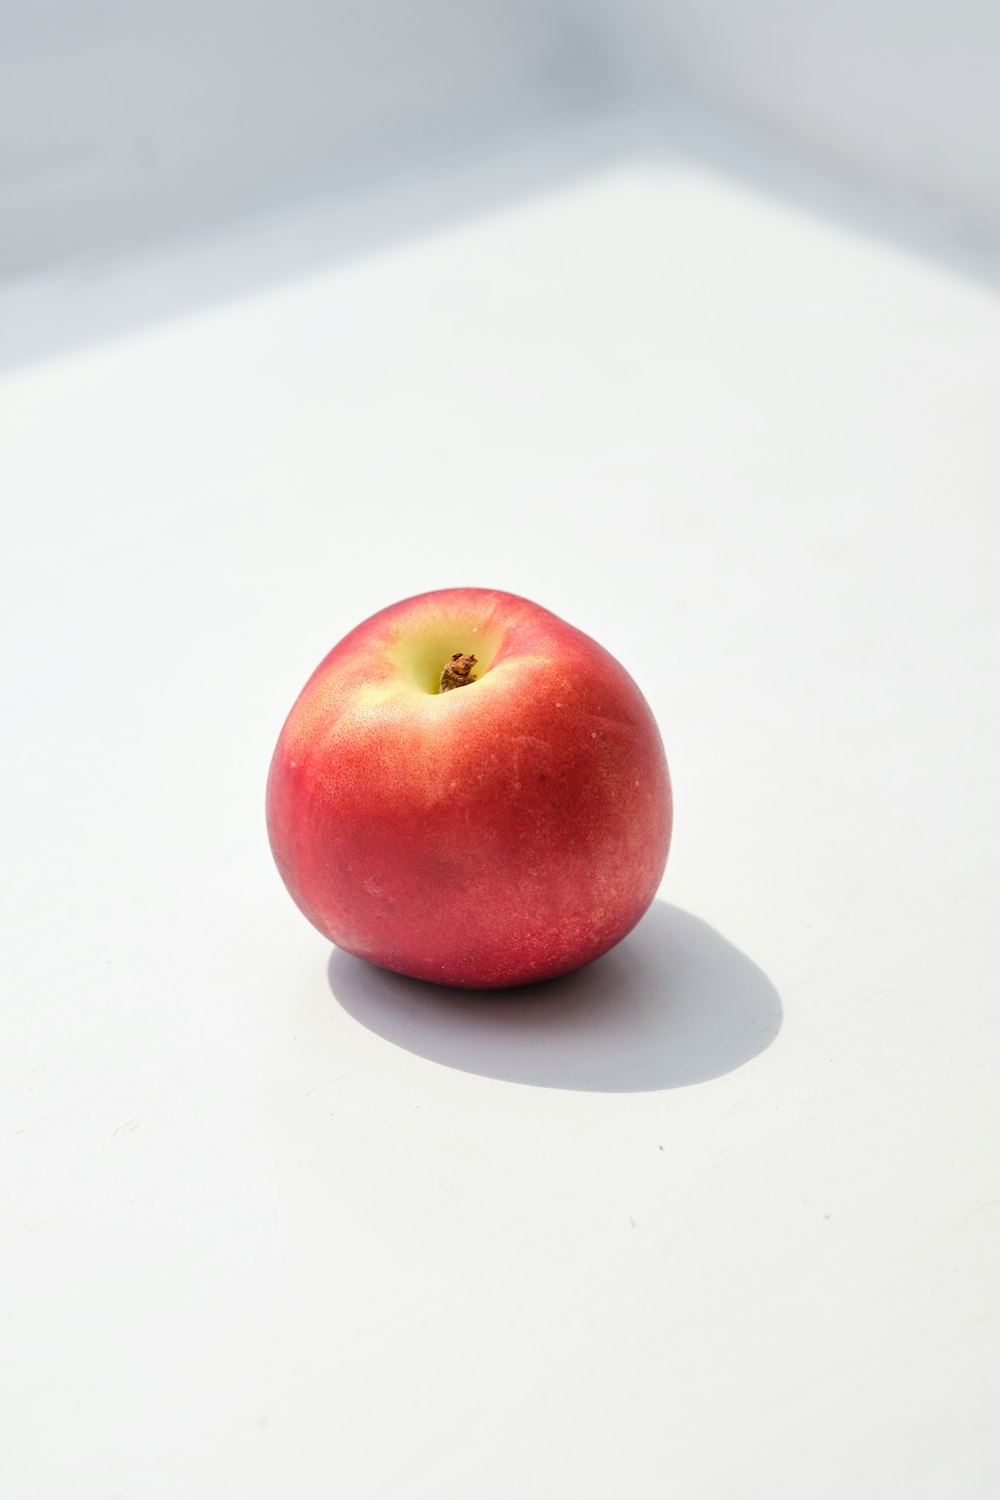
507	831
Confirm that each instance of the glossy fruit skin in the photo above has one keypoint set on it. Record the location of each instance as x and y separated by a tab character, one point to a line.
505	832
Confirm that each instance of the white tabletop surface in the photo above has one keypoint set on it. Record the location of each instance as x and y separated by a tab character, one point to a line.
720	1217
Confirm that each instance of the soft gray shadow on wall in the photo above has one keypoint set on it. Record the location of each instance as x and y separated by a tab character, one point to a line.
674	1004
321	221
350	213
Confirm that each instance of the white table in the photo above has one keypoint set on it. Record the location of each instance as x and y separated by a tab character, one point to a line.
278	1224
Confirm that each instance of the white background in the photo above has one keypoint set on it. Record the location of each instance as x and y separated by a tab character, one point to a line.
123	120
717	1217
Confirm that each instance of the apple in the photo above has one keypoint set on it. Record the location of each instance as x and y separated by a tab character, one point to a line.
470	791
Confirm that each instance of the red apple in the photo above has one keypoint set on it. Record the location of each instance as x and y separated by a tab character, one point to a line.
506	824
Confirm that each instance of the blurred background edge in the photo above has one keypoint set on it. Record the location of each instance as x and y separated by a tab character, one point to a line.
140	142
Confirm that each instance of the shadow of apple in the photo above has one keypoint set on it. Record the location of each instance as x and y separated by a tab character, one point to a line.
674	1004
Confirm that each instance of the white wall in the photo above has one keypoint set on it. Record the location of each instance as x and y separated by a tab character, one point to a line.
902	92
130	118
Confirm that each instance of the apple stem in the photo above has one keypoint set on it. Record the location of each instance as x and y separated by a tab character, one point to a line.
457	672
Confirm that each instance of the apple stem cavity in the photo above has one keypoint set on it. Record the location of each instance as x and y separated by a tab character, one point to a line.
457	672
